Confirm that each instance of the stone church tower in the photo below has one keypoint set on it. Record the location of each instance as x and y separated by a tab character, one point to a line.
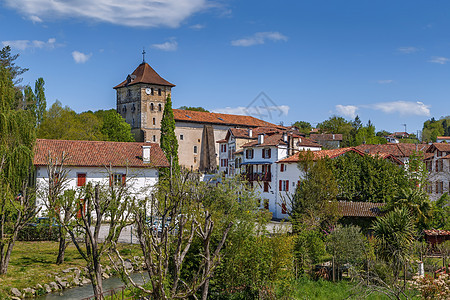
140	101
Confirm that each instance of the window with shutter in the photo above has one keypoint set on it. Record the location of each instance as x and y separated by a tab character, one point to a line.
287	185
283	208
81	179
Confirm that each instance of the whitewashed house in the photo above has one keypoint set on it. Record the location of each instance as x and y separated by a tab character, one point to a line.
133	164
437	160
261	170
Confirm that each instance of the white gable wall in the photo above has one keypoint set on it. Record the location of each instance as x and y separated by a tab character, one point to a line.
140	180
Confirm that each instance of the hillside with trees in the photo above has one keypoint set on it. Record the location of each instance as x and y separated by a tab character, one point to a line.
433	128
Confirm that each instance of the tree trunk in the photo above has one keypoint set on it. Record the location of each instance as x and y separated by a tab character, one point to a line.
5	257
96	278
62	247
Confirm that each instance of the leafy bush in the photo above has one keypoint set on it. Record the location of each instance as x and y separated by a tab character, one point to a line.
41	232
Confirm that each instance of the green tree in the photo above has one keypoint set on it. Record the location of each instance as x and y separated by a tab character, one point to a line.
17	132
337	124
194	108
314	202
440	212
169	142
394	234
367	178
7	62
64	123
433	128
303	127
114	126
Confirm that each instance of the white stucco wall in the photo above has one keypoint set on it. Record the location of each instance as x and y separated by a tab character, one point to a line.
139	180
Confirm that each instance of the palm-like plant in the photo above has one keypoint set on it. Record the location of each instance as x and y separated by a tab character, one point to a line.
416	202
394	235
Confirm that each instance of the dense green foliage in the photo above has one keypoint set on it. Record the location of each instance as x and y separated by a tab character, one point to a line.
18	121
433	128
303	127
353	132
199	108
7	62
367	178
169	142
347	245
394	234
65	124
314	201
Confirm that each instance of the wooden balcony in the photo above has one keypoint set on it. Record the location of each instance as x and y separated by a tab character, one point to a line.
258	176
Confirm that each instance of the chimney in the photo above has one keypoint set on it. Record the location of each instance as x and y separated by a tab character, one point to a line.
333	137
250	132
261	138
146	154
285	137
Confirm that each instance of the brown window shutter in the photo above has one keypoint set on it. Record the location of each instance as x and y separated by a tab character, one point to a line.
263	153
280	186
287	185
269	153
111	177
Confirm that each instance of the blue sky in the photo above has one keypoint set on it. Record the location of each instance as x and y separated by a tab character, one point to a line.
387	61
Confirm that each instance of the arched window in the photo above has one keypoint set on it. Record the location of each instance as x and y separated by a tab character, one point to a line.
159	107
151	106
154	121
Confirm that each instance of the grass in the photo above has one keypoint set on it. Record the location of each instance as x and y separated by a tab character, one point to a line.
33	263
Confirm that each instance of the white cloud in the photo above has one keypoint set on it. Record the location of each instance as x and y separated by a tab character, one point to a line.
80	57
197	26
407	50
439	60
347	110
259	111
139	13
171	45
385	81
27	44
404	108
259	38
35	19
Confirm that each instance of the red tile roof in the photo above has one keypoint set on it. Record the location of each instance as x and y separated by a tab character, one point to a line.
326	137
443	137
398	150
98	153
321	154
436	232
276	138
220	119
360	209
439	146
221	141
243	133
145	74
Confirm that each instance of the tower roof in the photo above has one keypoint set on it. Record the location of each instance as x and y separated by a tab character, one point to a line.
144	74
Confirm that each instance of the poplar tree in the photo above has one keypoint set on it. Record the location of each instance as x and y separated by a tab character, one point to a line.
169	143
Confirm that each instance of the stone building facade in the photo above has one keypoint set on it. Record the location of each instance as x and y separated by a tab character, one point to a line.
141	98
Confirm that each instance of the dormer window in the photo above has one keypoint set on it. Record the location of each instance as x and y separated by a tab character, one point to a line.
159	92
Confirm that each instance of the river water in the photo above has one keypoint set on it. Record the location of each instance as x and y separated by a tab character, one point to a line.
80	292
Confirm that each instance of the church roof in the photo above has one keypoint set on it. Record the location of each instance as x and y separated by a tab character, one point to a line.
144	74
220	119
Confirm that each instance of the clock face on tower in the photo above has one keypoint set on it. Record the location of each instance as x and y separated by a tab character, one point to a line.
148	91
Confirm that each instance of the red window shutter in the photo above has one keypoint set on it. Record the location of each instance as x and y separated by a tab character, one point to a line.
283	208
124	179
281	167
269	153
281	185
81	179
111	177
287	185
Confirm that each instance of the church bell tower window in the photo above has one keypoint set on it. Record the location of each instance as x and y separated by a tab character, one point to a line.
160	107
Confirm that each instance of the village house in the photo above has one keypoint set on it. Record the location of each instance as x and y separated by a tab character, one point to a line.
443	139
256	161
133	164
141	99
437	160
327	140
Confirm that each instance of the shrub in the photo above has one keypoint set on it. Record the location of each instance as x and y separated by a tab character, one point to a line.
41	232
